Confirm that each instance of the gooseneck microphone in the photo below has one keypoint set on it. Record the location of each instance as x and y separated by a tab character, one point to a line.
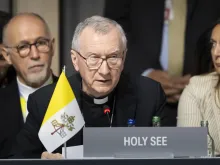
106	111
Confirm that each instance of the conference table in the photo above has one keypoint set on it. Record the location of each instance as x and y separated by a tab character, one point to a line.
175	161
100	143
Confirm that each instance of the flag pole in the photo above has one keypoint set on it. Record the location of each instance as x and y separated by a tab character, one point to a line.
65	150
64	69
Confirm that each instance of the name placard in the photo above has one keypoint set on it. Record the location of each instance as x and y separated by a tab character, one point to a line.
176	141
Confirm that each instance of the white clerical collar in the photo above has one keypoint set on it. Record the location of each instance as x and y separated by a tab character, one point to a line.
101	101
25	90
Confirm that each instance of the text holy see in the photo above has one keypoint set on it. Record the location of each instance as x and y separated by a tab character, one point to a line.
145	141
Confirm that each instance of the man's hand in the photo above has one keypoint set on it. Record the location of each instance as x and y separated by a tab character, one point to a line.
172	86
47	155
178	83
181	82
165	80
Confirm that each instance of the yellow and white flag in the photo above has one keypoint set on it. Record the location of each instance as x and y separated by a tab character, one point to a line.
63	118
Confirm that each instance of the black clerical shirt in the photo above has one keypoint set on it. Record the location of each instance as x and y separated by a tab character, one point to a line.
94	113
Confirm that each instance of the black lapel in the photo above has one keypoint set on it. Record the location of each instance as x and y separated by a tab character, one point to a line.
191	7
14	105
55	78
126	101
75	83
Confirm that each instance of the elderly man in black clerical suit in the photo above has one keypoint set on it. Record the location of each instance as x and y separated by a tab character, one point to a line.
98	53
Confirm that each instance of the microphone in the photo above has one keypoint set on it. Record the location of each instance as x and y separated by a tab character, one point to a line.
106	111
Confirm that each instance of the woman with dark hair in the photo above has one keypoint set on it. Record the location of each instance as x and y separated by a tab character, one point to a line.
200	99
203	54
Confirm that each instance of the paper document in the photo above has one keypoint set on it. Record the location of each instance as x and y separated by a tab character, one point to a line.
74	152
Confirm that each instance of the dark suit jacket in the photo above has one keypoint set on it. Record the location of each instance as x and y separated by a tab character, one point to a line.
11	119
9	77
140	98
143	22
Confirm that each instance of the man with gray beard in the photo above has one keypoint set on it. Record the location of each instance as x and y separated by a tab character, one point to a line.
29	48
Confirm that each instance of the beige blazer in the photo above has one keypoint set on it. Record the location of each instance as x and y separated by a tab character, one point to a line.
199	101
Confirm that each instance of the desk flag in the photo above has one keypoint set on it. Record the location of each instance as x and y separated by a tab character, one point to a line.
63	118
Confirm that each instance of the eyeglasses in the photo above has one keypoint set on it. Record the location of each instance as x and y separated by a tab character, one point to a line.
42	45
94	61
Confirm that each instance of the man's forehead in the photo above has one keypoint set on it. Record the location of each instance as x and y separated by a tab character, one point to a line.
95	41
91	31
25	29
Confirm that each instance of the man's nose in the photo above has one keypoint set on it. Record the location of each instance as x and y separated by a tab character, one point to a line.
104	68
34	53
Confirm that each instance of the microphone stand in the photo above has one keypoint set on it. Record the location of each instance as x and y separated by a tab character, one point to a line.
106	111
108	117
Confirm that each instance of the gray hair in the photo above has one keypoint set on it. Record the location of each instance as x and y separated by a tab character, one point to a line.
100	25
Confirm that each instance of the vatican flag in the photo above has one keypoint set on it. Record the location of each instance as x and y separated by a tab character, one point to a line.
63	118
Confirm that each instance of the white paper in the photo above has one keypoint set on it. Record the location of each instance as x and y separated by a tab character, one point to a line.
74	152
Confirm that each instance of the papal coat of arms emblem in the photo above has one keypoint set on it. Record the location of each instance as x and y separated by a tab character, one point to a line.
66	122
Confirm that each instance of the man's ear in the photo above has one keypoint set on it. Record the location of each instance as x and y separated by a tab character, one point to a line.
6	55
124	54
74	58
53	46
124	57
